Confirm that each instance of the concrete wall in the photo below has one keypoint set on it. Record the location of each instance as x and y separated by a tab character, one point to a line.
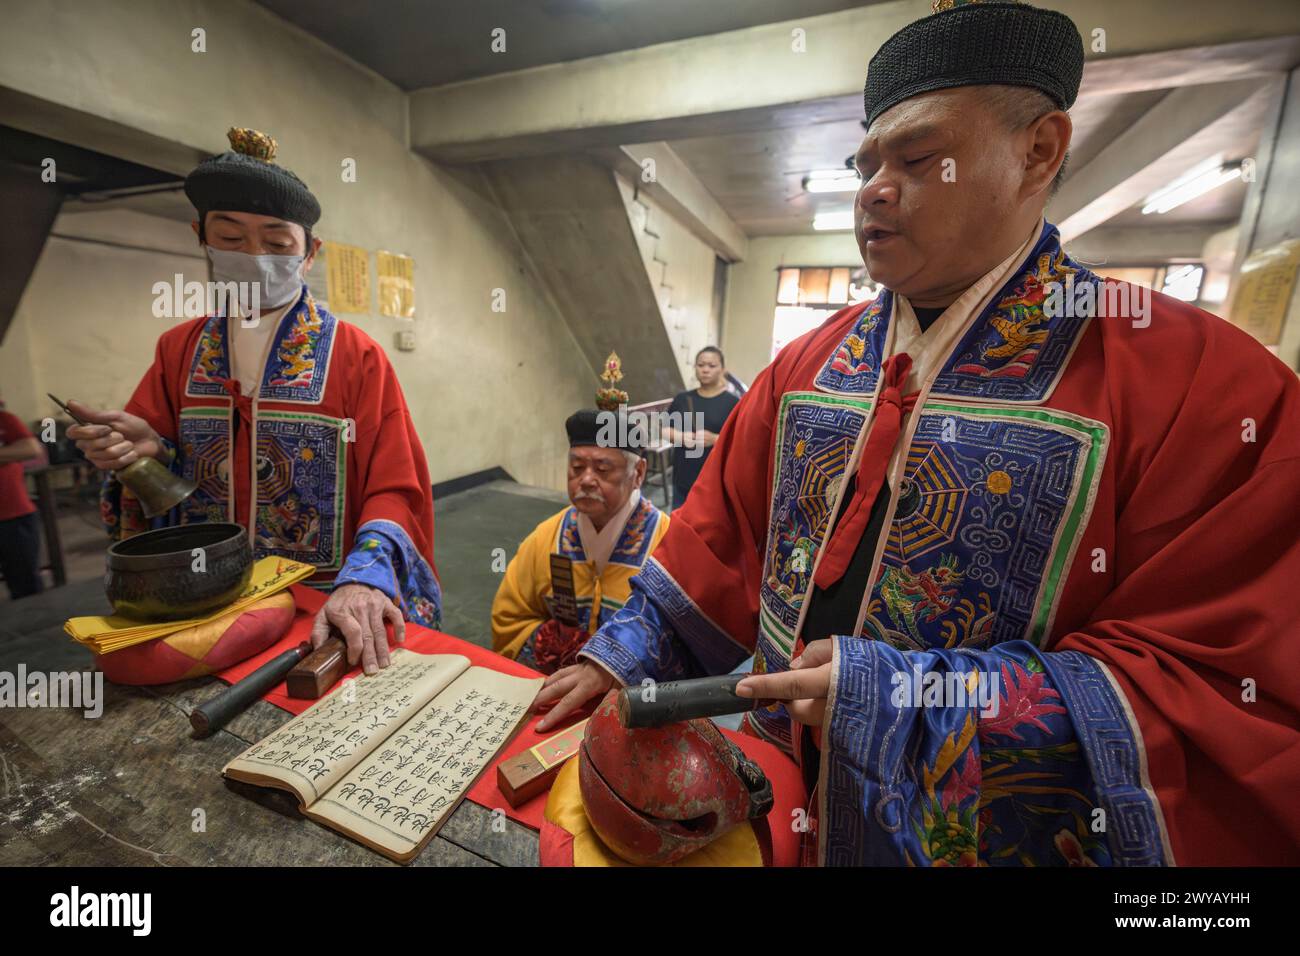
18	385
484	388
569	215
85	324
680	266
751	291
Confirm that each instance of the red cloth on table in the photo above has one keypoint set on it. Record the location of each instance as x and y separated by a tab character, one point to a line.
422	640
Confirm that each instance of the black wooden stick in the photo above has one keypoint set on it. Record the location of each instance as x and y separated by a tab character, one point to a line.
673	701
216	713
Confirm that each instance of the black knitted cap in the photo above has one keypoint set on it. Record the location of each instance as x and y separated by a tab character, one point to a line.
605	429
244	179
976	44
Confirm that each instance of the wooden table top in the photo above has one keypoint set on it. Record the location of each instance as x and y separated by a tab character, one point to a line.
125	789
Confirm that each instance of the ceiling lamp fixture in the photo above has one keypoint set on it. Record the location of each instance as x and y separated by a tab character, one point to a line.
1197	182
831	181
838	220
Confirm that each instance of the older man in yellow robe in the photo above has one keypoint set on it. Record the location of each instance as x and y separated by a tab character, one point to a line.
604	537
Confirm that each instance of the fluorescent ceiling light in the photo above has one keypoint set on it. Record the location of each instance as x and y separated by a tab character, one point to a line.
837	220
1199	181
1183	282
832	181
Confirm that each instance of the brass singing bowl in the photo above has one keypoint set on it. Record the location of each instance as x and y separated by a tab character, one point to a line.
177	573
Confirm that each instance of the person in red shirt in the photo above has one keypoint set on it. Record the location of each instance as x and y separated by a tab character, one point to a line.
20	529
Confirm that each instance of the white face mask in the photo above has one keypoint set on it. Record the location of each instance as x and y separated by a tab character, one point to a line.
264	282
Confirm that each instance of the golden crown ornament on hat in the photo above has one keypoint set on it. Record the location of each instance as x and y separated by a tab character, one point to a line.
251	142
609	398
939	6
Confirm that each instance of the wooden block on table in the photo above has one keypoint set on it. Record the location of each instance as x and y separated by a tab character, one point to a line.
316	673
526	774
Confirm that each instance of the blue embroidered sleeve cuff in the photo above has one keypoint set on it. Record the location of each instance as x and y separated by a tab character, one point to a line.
1112	744
636	644
384	557
373	561
710	647
971	757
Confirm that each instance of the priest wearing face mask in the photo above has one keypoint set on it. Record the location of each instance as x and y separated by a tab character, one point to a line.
291	422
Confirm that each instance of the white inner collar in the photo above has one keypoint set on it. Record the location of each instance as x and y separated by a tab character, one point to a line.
599	545
250	346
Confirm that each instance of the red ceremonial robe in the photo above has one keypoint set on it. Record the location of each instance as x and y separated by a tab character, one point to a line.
1097	518
338	478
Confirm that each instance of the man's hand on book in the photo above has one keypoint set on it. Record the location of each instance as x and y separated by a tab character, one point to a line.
360	612
571	687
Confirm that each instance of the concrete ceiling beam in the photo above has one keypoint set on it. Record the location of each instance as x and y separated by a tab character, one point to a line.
755	78
1179	131
1143	245
655	169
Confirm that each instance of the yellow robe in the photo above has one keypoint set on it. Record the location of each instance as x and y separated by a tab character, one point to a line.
523	601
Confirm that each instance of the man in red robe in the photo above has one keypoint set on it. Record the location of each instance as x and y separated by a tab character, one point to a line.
291	422
1014	546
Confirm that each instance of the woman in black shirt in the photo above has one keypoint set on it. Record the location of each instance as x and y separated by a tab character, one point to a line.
714	402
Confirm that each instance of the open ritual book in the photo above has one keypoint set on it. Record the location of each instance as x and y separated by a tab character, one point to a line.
385	759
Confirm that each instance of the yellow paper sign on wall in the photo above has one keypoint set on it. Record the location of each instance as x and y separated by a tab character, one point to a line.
396	284
1264	290
347	273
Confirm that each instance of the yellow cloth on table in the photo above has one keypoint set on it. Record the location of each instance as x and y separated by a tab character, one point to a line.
106	634
737	847
521	604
